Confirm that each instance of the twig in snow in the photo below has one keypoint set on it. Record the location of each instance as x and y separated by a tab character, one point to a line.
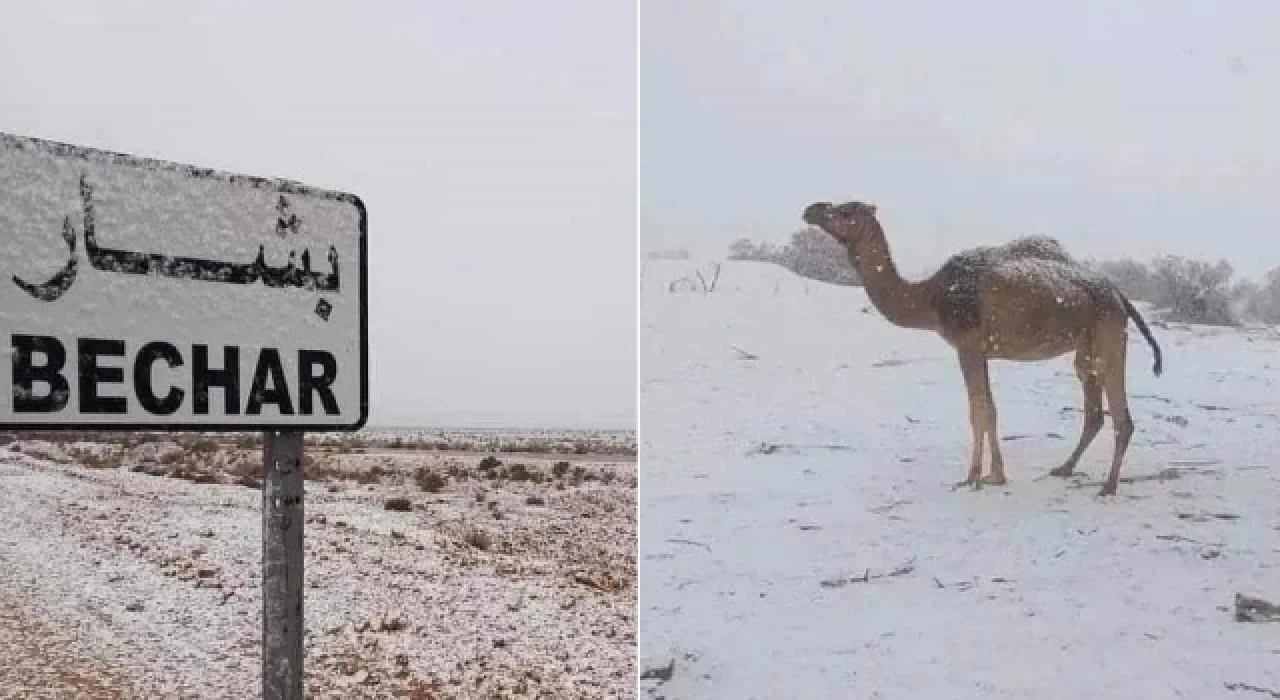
881	510
1180	538
905	568
902	570
1166	474
966	585
676	540
1205	517
743	354
768	448
1255	688
709	287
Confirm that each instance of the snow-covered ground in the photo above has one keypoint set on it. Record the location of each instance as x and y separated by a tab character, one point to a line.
800	537
507	580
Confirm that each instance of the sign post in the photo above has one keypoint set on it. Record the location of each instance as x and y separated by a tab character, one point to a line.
282	518
138	294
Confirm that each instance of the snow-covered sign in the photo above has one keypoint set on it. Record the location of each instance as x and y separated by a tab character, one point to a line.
139	294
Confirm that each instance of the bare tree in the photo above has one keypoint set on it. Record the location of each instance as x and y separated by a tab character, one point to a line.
1194	291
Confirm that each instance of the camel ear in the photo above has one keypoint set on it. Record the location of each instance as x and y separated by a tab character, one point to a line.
871	209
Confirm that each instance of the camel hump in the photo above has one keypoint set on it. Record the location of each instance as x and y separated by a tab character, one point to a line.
1042	247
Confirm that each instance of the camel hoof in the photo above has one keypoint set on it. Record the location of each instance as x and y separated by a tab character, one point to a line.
1108	490
994	480
1062	472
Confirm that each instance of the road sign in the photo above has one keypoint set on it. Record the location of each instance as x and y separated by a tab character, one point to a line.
141	294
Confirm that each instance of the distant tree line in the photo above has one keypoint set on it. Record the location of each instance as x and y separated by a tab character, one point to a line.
1186	290
1197	291
810	253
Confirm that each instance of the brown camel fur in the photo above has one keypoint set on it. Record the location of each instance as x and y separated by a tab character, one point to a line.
1027	301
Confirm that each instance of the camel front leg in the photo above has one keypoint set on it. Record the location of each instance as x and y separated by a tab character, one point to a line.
974	369
991	418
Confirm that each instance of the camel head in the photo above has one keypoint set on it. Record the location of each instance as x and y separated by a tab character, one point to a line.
844	222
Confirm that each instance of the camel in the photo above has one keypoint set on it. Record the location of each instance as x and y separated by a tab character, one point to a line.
1027	301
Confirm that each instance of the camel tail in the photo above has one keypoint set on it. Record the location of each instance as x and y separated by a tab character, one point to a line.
1146	333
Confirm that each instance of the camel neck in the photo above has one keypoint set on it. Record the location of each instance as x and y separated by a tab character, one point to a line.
901	302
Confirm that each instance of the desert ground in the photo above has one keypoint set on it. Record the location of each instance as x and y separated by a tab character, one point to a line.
800	536
439	564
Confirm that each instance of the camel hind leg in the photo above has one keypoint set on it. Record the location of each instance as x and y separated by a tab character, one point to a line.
1087	371
1113	349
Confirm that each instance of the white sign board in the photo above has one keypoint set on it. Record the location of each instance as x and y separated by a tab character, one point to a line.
142	295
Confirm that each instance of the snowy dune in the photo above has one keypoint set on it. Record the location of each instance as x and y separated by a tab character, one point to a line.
800	537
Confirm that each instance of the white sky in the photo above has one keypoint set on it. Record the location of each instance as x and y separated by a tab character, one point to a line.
1136	127
493	143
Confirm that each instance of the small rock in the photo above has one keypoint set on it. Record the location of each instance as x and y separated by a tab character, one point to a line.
663	673
135	606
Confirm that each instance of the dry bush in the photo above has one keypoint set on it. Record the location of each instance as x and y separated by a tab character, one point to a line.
479	539
398	504
429	481
372	475
202	445
391	624
105	459
193	475
457	471
522	472
318	469
45	452
241	464
245	470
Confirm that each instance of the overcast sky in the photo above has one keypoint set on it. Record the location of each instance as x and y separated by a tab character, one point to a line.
1137	128
493	143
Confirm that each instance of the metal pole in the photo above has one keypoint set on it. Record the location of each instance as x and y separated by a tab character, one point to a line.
282	519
